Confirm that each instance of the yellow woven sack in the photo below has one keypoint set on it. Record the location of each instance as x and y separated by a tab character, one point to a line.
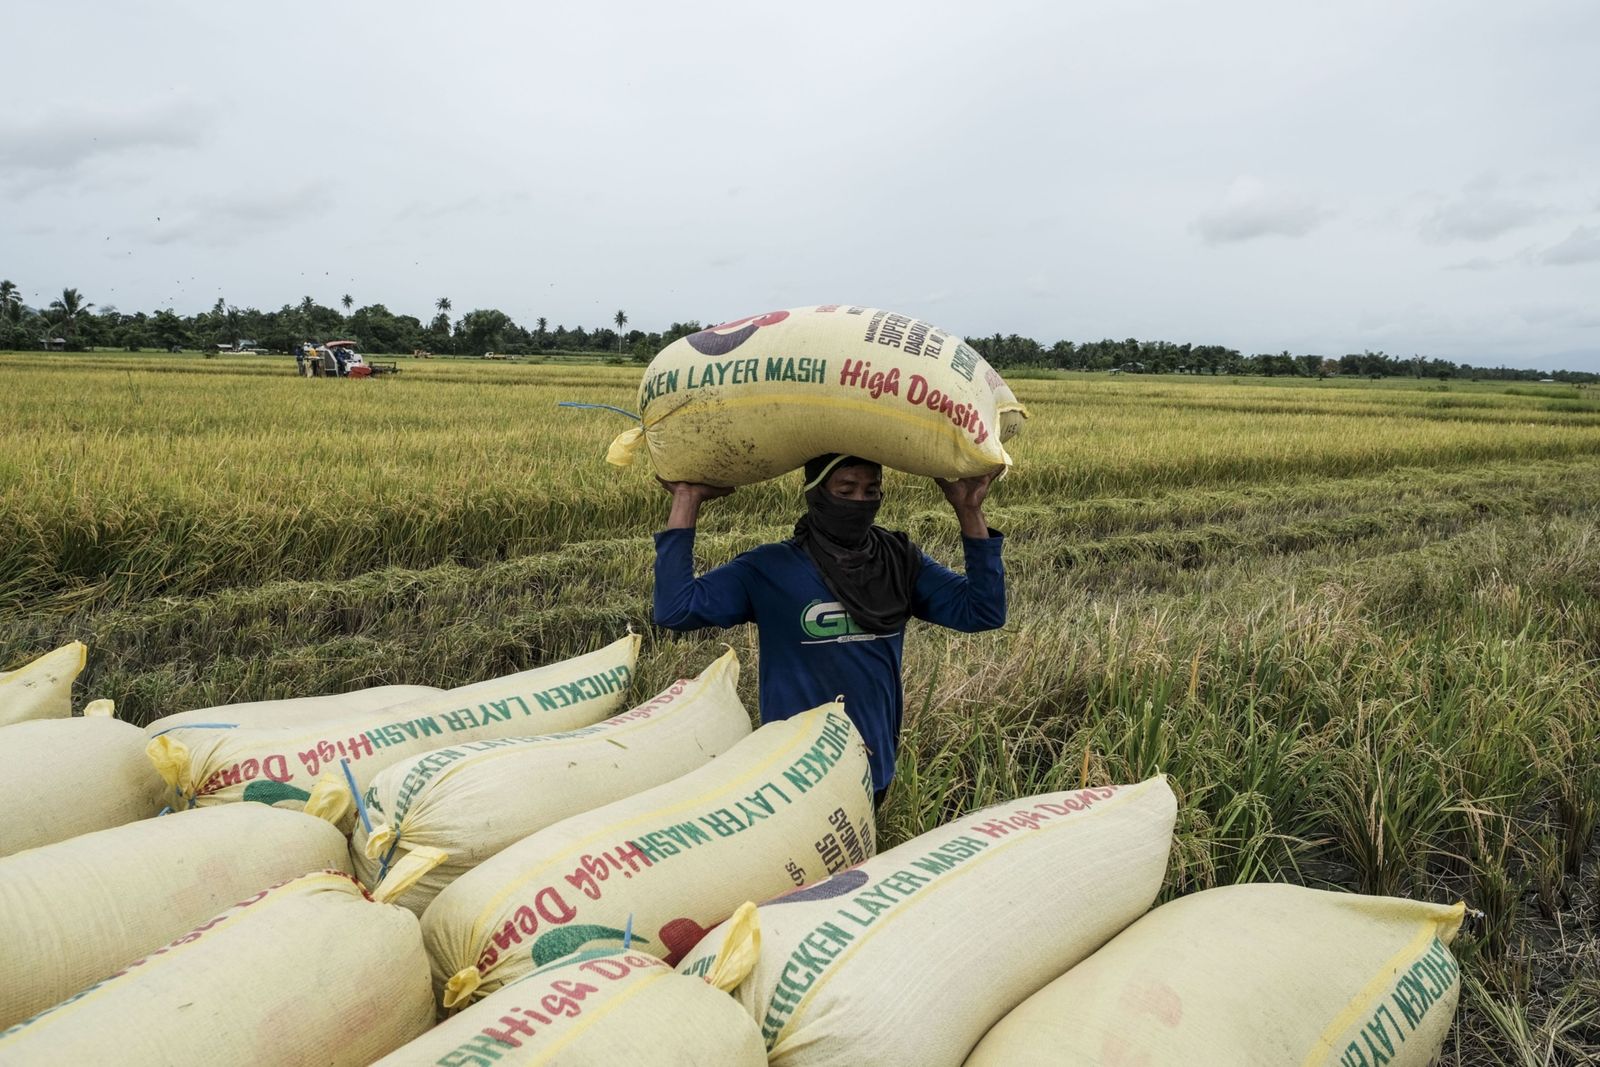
757	397
1012	413
470	801
308	972
295	711
1250	974
63	777
912	956
599	1008
73	912
41	689
787	805
206	765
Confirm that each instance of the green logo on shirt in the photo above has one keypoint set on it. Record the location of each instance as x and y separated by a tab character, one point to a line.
827	621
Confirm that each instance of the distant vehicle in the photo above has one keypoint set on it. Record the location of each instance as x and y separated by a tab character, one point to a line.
495	355
339	359
337	352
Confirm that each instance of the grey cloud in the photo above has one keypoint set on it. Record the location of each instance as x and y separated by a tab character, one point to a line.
268	206
1477	263
1582	245
61	144
220	220
474	203
424	210
1251	210
1562	315
1479	218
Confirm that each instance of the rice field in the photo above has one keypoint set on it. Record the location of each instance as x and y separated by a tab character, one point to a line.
1358	624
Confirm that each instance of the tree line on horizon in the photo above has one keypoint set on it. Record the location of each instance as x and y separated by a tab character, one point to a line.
80	325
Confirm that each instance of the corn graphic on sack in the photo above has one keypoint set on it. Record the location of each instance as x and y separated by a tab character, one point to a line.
74	912
598	1008
63	777
41	689
784	807
281	766
912	956
471	800
295	711
1250	974
757	397
307	972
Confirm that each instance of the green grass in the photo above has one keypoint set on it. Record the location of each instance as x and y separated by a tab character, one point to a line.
1357	623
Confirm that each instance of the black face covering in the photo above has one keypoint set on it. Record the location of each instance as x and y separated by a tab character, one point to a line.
872	571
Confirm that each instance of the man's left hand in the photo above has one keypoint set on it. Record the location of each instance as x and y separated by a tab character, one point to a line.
966	494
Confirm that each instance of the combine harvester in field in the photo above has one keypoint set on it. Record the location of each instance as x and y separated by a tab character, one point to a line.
338	359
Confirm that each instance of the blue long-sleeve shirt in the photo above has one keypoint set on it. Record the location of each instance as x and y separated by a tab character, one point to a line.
811	650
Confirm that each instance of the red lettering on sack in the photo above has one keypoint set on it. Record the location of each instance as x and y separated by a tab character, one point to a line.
548	906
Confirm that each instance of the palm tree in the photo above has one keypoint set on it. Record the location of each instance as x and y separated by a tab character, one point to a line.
621	320
67	310
10	301
347	300
443	304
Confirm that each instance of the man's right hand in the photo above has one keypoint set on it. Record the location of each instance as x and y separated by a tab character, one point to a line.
686	500
695	490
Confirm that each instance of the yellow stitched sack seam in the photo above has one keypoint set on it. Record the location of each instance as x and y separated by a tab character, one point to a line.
479	758
324	733
274	897
1379	984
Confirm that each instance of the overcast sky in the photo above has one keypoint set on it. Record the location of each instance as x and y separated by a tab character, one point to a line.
1418	177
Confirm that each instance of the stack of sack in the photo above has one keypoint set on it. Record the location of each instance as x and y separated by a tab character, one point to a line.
1019	935
444	812
586	894
237	929
784	807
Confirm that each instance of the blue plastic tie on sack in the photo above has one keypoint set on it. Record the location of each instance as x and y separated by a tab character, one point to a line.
627	933
383	867
197	726
361	806
598	407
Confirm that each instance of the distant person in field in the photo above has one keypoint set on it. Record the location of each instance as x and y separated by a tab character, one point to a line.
830	604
